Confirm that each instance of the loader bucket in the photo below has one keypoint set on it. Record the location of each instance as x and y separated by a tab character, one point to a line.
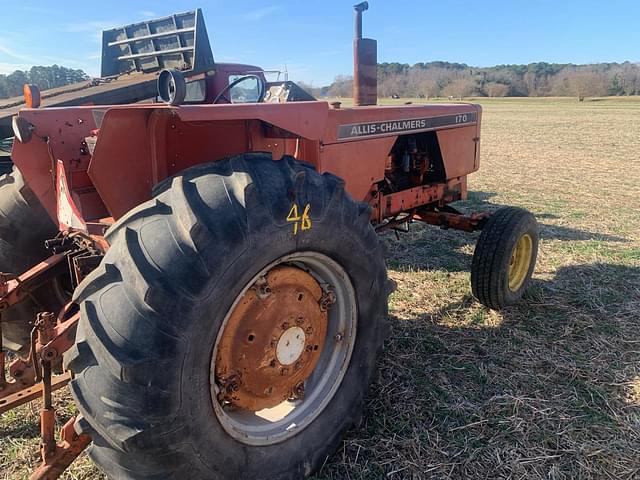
178	41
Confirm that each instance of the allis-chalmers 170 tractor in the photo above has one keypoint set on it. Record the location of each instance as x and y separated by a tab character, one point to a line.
206	272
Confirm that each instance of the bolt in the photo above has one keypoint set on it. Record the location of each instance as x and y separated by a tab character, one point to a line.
309	330
272	364
284	371
45	324
299	320
298	365
230	385
338	337
263	289
328	299
298	390
285	325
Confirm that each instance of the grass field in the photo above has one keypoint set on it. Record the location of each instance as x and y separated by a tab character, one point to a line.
547	389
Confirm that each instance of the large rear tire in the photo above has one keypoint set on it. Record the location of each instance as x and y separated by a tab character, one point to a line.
24	227
153	313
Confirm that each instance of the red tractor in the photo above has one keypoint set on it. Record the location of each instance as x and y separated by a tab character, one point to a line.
206	272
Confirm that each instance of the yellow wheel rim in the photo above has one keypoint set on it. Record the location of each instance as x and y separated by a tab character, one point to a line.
520	262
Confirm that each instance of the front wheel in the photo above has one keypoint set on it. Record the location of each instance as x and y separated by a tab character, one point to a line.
233	327
505	257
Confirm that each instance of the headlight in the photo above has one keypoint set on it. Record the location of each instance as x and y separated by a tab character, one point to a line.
22	129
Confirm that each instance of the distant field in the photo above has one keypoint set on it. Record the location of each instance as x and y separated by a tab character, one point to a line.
549	389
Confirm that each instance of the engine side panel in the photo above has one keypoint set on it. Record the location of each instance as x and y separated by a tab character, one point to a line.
138	146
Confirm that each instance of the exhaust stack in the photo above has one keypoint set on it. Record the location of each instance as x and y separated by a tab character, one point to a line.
365	63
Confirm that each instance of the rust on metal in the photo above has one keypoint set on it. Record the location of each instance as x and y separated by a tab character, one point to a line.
392	204
52	341
62	338
62	454
51	337
27	394
45	325
467	223
15	289
56	457
3	378
24	377
47	432
273	340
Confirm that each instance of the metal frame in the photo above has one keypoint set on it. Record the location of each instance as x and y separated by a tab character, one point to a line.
124	48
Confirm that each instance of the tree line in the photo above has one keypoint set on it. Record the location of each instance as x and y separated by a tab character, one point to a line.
44	77
426	80
444	79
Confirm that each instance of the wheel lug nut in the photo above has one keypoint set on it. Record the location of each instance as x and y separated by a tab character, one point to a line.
298	391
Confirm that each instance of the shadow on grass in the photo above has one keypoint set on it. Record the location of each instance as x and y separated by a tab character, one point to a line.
539	390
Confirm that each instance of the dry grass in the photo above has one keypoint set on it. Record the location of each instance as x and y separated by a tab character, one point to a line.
548	389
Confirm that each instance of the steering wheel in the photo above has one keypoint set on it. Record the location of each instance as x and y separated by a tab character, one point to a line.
236	82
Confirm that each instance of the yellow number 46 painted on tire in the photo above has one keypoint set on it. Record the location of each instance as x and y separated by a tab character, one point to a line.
302	222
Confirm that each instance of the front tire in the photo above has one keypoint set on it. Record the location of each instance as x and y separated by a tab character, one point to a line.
505	257
152	312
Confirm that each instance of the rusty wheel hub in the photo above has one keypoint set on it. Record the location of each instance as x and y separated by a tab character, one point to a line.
273	340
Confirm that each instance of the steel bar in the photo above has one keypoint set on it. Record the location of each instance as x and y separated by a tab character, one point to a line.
467	223
29	394
155	53
152	36
3	378
15	290
64	454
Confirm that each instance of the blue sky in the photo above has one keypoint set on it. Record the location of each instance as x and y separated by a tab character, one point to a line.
313	38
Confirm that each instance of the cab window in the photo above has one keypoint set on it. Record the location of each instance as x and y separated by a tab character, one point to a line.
245	91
